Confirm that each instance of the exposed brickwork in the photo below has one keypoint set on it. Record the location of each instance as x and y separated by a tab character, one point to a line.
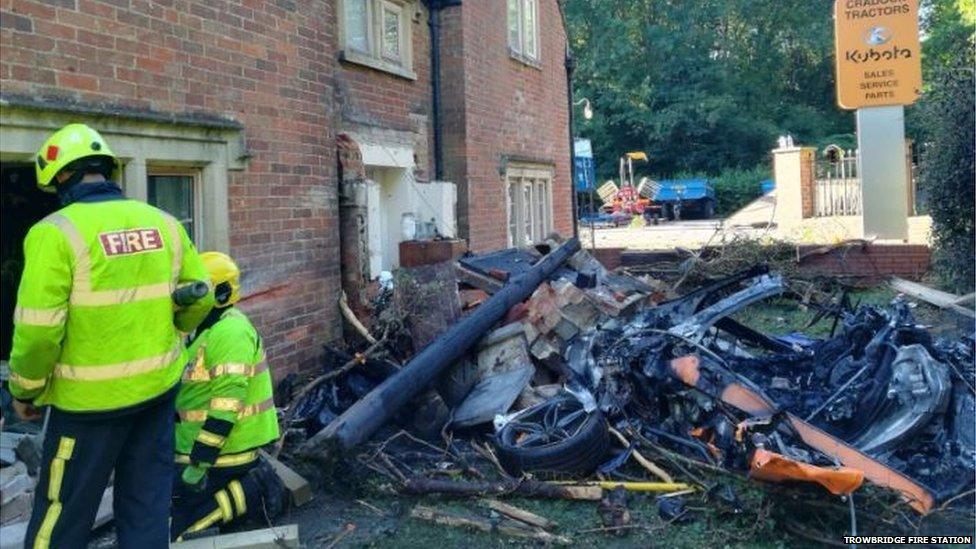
265	64
352	223
610	258
870	263
807	182
498	108
866	264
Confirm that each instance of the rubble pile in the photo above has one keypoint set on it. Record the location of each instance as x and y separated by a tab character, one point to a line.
581	361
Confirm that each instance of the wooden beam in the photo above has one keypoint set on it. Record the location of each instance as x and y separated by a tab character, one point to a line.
478	280
298	487
943	300
521	515
521	488
446	518
268	538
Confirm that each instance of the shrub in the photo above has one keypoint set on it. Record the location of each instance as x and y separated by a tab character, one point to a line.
946	168
734	188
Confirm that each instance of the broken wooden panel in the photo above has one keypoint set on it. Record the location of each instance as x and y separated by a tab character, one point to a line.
502	350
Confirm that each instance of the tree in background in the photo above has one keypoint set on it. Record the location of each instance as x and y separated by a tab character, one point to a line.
703	86
946	121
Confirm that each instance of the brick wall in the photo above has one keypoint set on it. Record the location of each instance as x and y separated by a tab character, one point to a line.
868	263
509	110
267	64
807	182
391	108
858	263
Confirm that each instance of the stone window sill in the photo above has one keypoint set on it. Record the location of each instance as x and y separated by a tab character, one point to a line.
525	60
367	61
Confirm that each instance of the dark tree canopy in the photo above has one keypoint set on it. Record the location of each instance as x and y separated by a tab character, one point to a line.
703	86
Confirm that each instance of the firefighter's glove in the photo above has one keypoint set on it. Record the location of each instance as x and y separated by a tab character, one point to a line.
194	478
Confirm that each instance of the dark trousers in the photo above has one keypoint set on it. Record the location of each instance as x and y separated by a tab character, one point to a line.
229	494
81	451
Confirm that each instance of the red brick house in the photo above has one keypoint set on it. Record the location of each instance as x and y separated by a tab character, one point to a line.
287	131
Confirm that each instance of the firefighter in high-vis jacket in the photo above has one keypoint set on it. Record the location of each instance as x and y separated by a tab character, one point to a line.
98	339
226	413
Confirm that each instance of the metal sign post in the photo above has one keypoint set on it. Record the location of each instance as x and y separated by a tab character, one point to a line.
878	72
884	177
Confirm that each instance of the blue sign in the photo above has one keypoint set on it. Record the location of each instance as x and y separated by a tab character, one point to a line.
584	168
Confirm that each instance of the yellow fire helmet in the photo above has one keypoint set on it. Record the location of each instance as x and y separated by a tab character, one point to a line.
70	143
225	277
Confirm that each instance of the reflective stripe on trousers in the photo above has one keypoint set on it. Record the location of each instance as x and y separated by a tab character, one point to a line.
66	447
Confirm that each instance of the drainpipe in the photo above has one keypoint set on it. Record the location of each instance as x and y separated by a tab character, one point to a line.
434	23
570	67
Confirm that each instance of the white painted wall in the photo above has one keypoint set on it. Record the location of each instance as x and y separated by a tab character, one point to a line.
392	192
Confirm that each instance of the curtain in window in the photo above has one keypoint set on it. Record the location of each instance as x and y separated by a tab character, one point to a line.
391	34
529	39
173	194
515	25
357	25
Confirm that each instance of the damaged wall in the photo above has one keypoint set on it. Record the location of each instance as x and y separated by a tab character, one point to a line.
265	65
500	110
386	114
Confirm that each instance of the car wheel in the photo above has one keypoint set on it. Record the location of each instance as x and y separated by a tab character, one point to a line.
556	436
709	209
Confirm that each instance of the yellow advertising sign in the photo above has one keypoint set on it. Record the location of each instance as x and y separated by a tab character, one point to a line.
878	52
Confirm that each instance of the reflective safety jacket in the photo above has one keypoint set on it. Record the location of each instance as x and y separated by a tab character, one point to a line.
95	327
225	405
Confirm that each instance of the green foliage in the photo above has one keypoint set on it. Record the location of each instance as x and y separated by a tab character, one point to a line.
734	188
702	86
948	129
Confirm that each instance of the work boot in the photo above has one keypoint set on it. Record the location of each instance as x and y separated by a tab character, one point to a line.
272	490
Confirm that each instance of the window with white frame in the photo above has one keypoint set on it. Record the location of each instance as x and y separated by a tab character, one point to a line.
529	205
175	192
523	29
377	33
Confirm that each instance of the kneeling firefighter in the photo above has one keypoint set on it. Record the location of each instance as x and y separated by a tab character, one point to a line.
226	412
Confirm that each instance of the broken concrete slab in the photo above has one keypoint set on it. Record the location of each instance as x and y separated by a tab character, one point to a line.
13	481
269	538
502	350
105	508
493	395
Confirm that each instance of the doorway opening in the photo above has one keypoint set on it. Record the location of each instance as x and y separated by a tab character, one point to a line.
21	205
